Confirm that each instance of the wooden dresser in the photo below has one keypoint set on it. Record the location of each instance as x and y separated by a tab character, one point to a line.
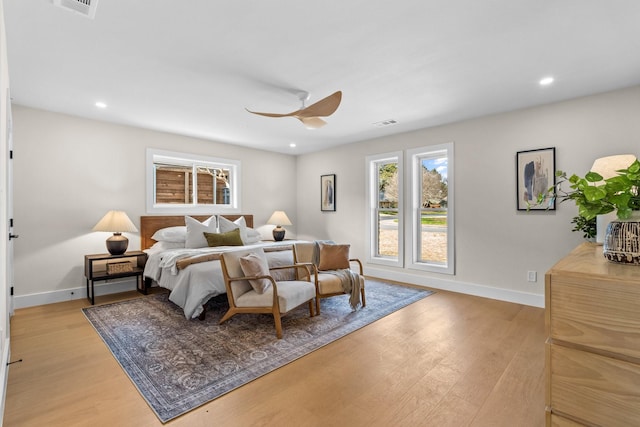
593	344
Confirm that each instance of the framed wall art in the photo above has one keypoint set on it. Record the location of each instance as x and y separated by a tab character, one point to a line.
328	192
536	173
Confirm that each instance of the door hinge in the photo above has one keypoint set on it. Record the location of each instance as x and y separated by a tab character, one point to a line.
10	154
12	291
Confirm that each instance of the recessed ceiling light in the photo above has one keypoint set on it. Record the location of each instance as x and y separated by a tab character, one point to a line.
546	81
100	104
292	145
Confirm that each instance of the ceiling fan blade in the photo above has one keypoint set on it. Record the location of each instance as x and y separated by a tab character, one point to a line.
323	108
272	114
311	122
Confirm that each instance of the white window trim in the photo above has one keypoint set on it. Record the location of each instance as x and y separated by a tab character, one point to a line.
371	219
188	159
413	177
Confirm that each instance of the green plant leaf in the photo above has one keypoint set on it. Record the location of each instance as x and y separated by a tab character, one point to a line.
592	193
593	177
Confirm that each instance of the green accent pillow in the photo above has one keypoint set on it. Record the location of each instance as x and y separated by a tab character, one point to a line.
230	238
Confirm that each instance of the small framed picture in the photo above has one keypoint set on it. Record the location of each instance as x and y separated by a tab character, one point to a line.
328	192
536	173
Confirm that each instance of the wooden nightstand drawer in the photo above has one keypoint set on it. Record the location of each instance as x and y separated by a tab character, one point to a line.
598	313
602	390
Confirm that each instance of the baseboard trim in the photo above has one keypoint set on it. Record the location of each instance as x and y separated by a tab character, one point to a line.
112	287
4	374
534	300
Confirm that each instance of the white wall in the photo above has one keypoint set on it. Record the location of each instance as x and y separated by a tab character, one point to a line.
70	171
495	244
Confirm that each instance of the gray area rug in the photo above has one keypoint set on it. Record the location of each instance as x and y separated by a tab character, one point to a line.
179	364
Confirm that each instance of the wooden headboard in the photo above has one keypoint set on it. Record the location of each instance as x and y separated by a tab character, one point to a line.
151	224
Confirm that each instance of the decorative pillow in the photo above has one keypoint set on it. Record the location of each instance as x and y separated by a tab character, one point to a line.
163	246
333	257
255	265
171	234
195	228
230	238
225	225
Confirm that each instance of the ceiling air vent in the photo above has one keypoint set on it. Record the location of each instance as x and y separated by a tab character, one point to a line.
385	123
83	7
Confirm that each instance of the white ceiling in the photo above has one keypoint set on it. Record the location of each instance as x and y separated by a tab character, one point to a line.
191	67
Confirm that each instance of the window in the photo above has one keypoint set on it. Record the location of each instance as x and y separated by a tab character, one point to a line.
385	214
431	189
187	183
427	242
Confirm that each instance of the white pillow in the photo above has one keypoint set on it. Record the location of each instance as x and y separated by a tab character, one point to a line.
252	233
171	234
225	225
163	246
196	230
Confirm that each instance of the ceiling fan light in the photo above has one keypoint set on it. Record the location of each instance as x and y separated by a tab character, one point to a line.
312	122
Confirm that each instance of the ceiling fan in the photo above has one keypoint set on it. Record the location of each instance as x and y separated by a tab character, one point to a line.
310	116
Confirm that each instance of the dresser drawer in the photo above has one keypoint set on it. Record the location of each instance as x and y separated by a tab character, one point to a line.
600	390
598	313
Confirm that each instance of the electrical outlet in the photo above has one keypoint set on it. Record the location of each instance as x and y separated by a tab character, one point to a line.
532	276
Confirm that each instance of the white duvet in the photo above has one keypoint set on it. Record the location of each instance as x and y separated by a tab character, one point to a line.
196	284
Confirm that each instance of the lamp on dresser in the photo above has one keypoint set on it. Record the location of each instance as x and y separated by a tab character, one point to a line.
279	218
116	222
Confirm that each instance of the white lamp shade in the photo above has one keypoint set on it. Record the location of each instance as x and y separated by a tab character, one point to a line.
279	218
607	166
115	222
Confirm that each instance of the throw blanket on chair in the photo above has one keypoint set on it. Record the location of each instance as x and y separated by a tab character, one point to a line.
349	279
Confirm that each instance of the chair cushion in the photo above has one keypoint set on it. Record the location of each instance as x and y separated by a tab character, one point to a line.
333	257
331	284
255	265
290	295
232	263
304	251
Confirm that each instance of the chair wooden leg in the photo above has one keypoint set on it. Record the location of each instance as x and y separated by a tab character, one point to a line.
278	321
317	305
227	316
310	308
364	300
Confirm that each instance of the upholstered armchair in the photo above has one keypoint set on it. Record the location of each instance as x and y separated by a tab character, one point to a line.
325	261
251	288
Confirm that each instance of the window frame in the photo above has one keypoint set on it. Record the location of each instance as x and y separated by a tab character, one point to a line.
413	231
186	159
372	164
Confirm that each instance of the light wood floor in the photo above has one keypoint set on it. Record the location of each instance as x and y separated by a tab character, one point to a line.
448	360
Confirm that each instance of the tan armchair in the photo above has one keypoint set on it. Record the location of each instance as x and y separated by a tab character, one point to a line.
326	283
258	291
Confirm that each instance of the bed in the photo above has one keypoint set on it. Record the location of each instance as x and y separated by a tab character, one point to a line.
192	274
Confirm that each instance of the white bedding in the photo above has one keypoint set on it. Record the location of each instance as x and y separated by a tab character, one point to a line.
194	285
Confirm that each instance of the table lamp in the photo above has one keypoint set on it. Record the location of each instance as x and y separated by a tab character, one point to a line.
116	222
607	167
279	218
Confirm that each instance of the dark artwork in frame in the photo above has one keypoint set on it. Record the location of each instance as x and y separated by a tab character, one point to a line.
536	173
328	193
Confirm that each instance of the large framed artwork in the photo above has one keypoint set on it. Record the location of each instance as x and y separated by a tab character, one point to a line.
536	173
328	192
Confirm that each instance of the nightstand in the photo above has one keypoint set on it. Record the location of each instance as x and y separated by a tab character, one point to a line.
107	266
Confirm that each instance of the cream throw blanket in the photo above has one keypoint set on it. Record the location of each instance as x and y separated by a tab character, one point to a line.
349	279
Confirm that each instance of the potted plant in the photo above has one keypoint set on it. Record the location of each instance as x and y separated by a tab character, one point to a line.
595	195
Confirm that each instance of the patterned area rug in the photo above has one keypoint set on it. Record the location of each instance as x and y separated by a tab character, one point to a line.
178	365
